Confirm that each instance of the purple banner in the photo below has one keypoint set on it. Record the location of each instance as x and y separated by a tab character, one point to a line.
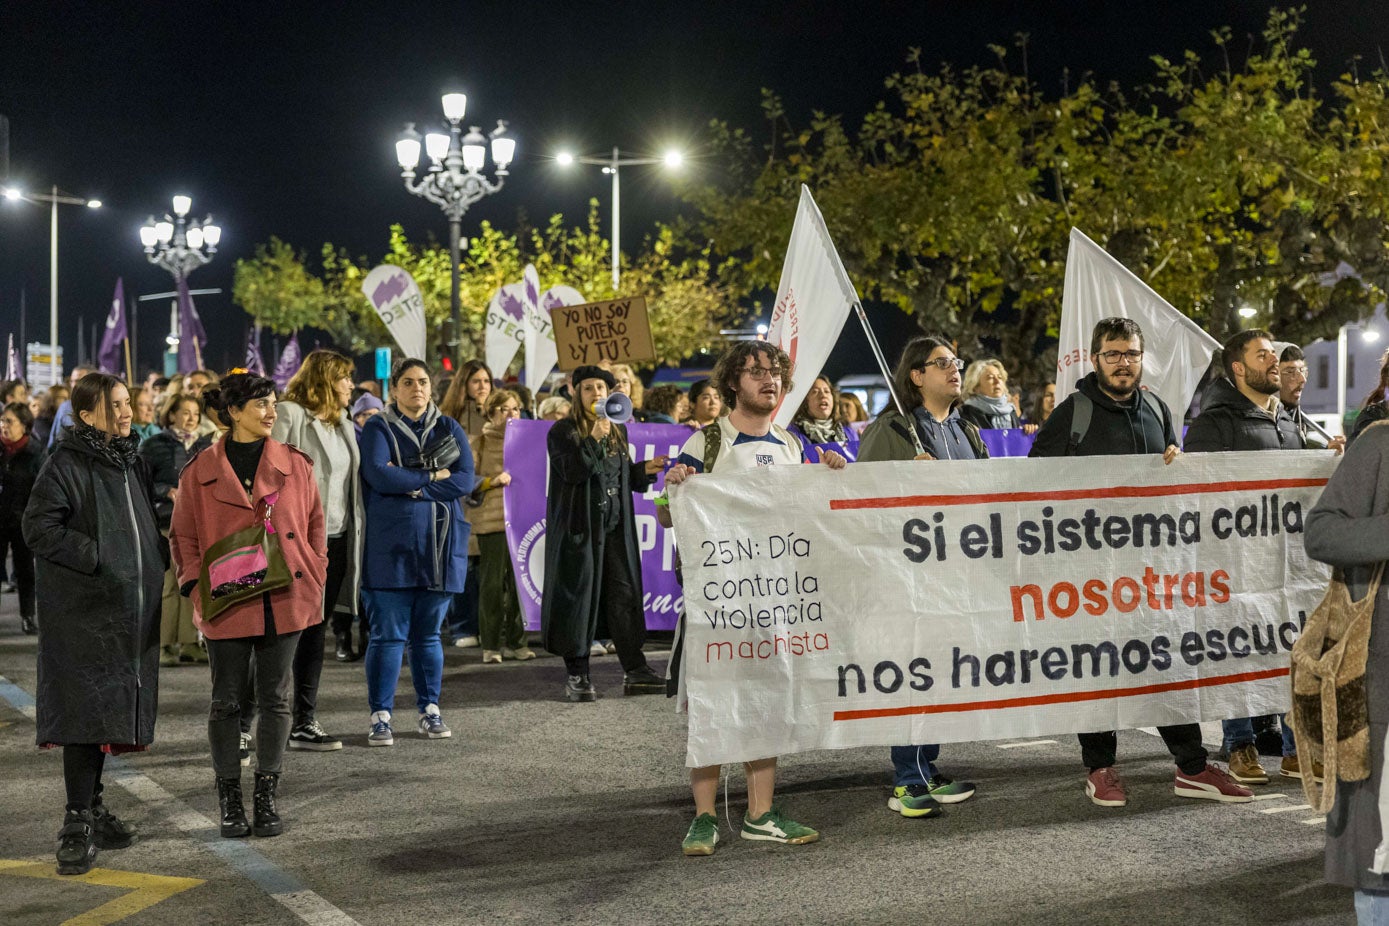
528	462
108	356
1008	442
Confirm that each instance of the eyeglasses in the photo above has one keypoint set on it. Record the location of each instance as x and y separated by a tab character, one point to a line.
759	373
1114	356
943	363
1294	370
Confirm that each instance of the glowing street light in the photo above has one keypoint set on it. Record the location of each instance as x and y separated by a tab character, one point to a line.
672	160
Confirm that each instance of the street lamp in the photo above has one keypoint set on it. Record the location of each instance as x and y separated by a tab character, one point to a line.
671	159
54	199
455	180
180	247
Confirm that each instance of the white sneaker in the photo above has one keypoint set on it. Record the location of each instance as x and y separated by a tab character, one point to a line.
466	642
245	750
597	649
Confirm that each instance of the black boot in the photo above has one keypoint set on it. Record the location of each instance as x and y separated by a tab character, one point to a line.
76	846
344	648
267	821
579	688
108	831
642	681
234	822
26	624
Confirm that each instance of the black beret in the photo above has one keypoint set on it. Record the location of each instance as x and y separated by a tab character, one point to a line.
592	372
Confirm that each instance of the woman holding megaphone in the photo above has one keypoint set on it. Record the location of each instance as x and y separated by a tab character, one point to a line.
592	562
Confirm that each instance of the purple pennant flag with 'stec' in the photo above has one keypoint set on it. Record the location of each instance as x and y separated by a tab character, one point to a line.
108	358
289	363
255	363
192	339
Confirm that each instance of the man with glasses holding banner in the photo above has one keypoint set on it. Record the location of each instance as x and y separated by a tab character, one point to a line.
1292	379
1110	414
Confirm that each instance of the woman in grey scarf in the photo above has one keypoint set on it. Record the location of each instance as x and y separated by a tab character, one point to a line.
986	403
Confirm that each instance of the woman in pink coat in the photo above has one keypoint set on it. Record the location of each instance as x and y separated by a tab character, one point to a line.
228	487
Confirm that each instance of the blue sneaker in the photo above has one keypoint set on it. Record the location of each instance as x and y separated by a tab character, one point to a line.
381	734
432	725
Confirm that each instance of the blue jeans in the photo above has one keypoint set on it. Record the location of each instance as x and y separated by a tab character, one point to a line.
912	765
1371	908
397	616
1240	732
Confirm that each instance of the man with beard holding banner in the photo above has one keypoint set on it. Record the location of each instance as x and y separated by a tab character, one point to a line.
1109	414
927	386
752	377
1243	412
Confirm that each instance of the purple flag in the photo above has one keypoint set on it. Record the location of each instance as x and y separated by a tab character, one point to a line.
254	363
108	358
191	336
12	364
289	363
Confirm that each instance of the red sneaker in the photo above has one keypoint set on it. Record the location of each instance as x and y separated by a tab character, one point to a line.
1213	784
1105	788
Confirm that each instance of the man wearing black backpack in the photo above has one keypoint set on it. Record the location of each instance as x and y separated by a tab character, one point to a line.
1110	414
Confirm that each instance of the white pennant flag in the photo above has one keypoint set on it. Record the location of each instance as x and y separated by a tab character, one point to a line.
506	328
1176	352
396	297
813	301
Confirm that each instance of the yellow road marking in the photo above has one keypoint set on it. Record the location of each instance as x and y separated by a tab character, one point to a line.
145	890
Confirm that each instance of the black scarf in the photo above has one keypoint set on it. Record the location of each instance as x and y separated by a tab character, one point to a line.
120	452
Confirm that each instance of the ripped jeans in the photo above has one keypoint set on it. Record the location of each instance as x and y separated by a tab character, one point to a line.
231	661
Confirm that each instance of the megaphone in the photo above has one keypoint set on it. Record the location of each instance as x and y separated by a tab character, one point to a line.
616	408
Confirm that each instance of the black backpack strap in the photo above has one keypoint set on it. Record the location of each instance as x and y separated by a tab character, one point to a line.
1081	410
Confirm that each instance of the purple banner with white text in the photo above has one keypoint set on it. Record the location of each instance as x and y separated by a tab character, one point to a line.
528	462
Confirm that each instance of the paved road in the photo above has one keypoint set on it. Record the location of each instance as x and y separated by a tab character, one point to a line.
538	811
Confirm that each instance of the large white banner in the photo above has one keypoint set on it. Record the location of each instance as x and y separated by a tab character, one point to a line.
897	603
813	301
396	297
1176	350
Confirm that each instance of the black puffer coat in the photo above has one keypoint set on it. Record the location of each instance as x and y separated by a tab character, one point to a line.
166	458
101	561
17	474
1229	421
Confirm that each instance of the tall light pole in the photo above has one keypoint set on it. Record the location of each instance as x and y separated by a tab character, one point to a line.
611	165
455	181
54	199
178	245
1367	334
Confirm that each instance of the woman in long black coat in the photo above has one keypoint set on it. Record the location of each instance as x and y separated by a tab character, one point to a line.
91	525
592	561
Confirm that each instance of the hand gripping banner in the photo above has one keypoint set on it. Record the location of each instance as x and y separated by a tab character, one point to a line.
896	603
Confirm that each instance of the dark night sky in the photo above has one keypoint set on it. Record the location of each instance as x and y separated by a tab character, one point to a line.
280	118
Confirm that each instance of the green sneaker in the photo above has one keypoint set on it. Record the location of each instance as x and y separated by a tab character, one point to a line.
703	835
913	801
945	791
774	826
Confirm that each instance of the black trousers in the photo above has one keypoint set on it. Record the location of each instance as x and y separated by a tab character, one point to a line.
308	658
620	604
12	538
1097	750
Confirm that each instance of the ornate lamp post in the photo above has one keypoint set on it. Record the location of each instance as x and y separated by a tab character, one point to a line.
177	245
671	159
454	180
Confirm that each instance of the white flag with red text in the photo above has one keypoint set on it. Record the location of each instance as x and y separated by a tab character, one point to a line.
1176	352
813	301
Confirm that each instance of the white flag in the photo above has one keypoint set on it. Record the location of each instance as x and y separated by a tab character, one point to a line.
506	328
396	297
1176	352
813	301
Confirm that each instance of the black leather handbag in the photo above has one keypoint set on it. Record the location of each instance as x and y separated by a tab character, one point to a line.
441	454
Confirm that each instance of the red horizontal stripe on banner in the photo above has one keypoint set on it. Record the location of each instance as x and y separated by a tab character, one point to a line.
1062	495
1063	698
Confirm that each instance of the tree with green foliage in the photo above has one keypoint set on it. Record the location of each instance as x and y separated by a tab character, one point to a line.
1224	188
687	301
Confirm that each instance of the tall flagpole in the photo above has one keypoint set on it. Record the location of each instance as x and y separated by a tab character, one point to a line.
887	374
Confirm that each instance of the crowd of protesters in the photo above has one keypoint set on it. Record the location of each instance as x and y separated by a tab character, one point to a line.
213	519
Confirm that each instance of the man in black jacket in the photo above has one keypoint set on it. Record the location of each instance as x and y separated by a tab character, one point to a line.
1243	412
1123	418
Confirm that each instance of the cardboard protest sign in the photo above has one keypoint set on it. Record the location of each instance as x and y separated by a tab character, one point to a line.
893	603
616	331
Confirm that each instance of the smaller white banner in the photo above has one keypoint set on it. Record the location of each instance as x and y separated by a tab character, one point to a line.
506	328
396	297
